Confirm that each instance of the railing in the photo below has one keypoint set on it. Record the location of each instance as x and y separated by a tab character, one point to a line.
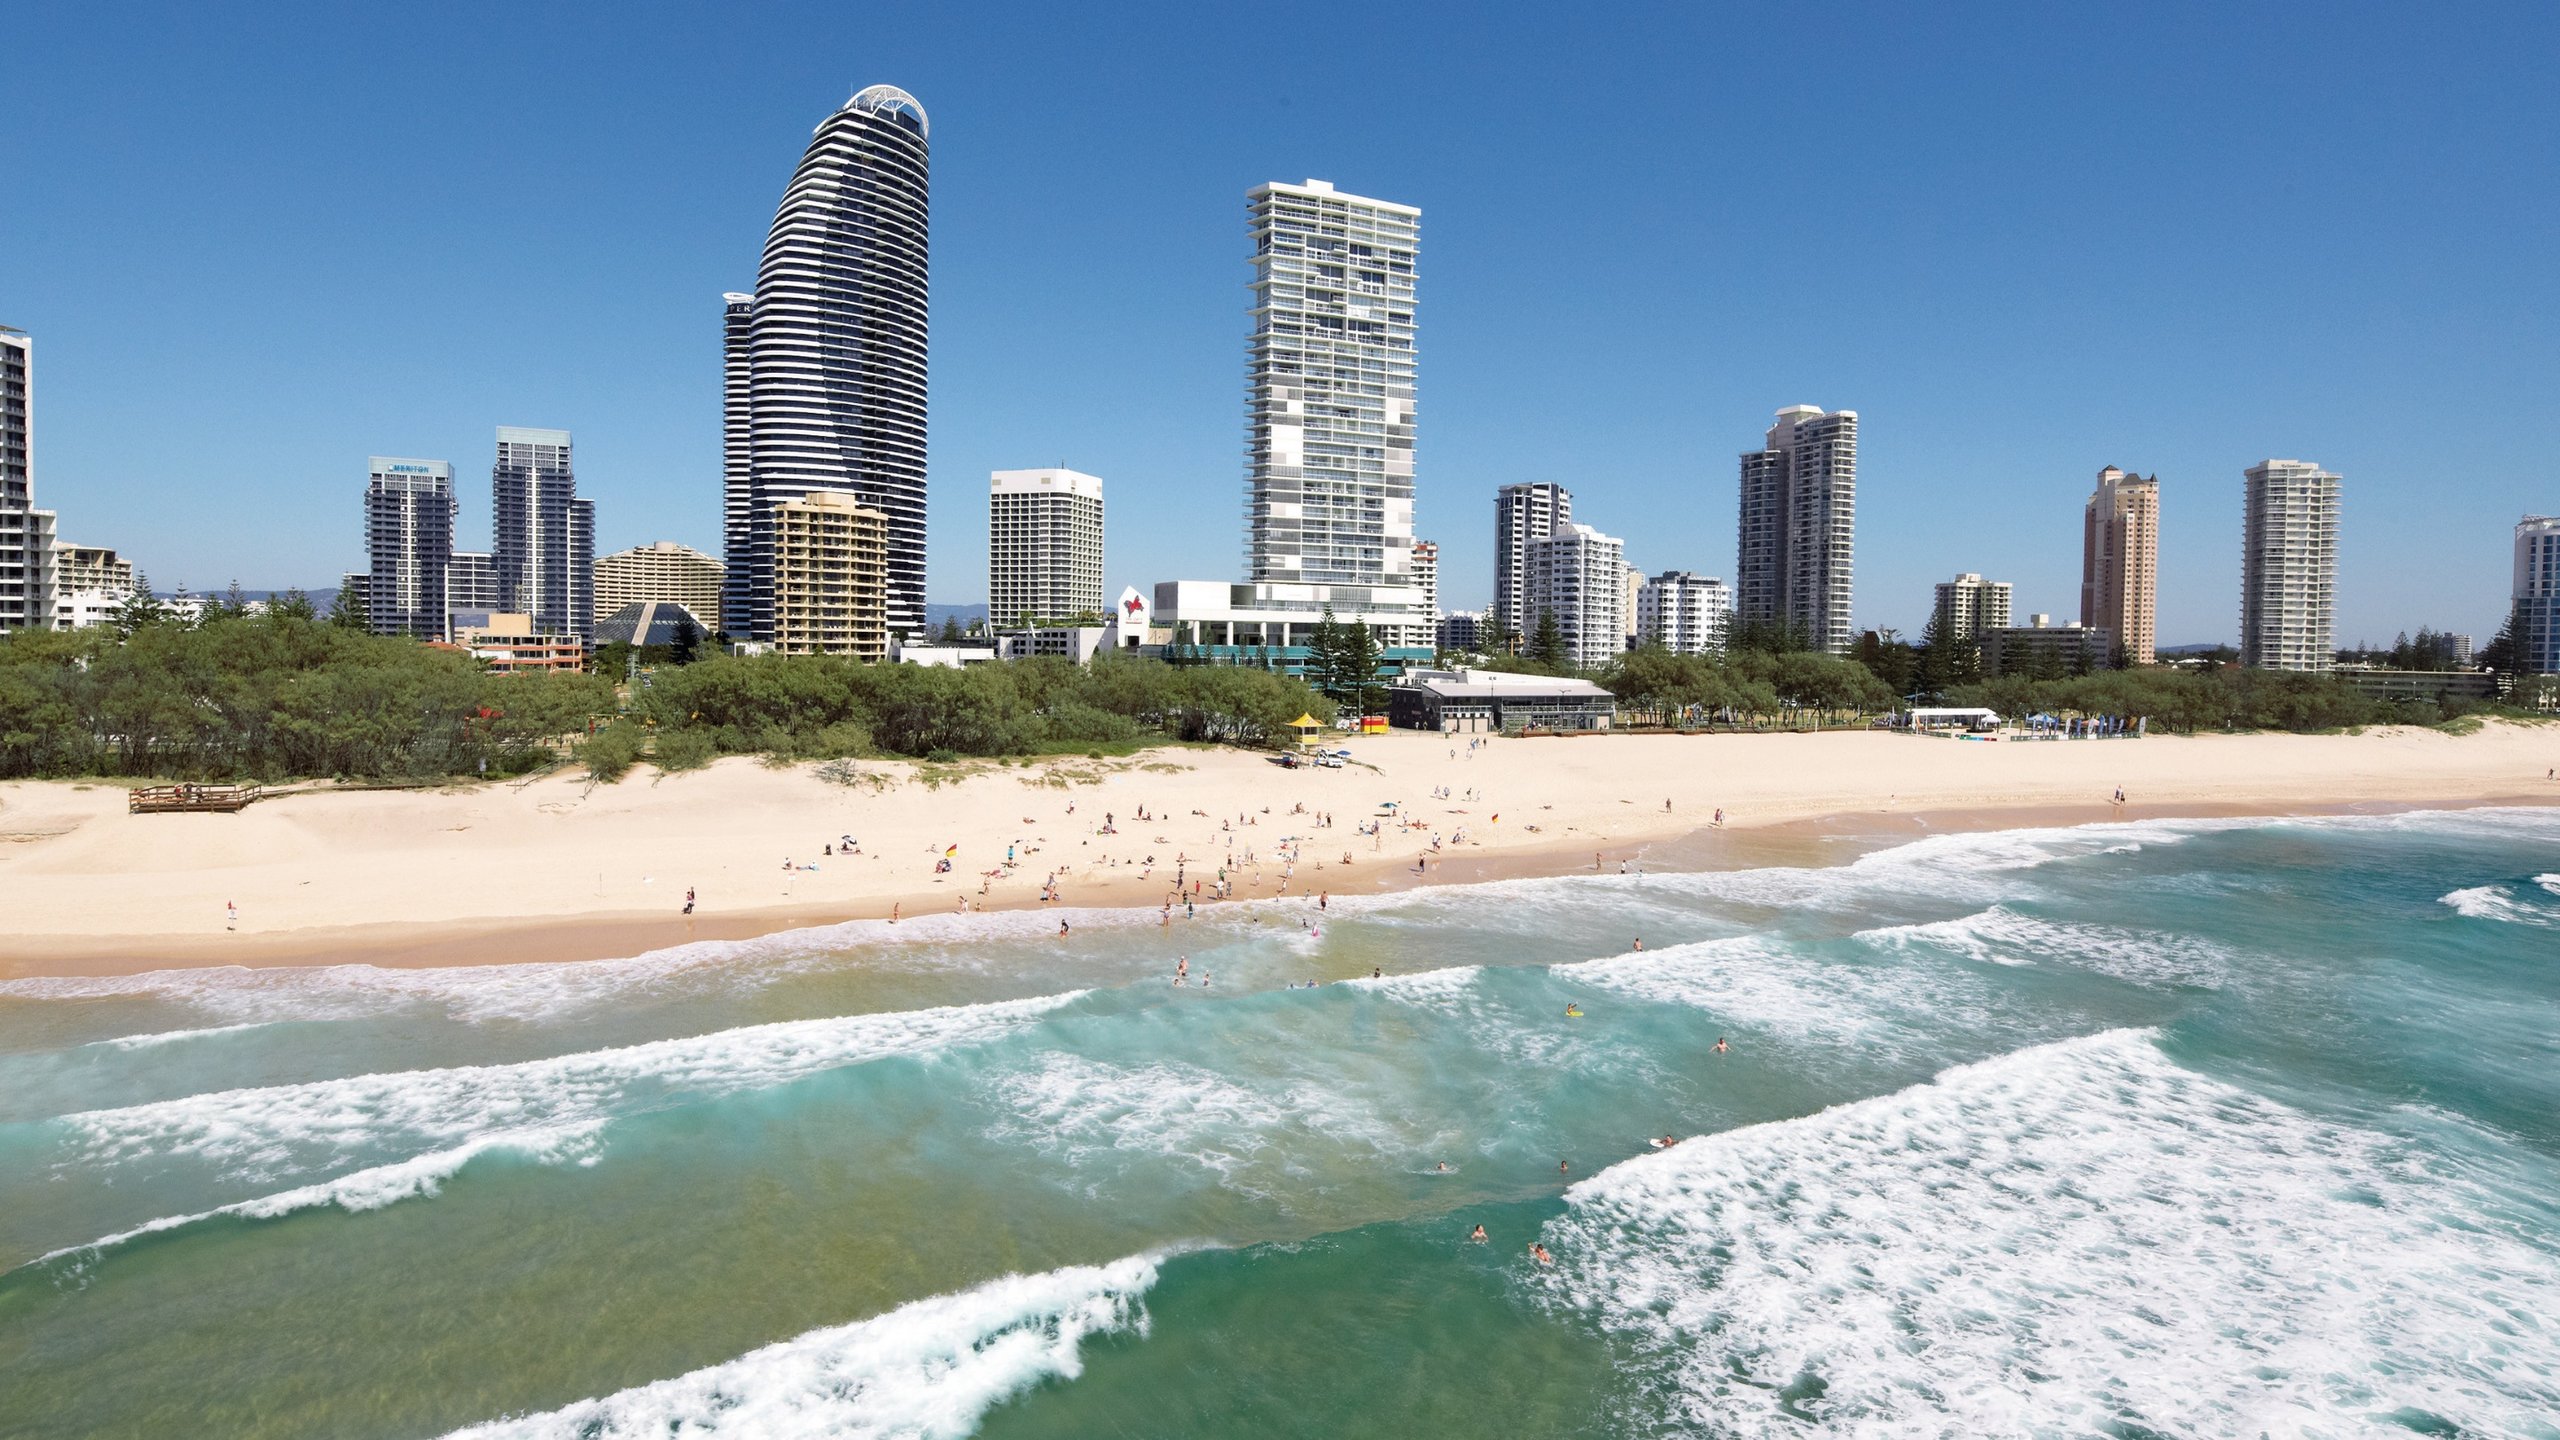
162	799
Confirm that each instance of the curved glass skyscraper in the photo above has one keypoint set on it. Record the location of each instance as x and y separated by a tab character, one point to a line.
825	362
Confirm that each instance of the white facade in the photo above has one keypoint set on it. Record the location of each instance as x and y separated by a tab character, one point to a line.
1579	576
2288	566
87	609
1426	575
1329	410
1221	613
1076	643
27	588
1798	526
1684	612
2537	595
1522	516
1969	606
1044	545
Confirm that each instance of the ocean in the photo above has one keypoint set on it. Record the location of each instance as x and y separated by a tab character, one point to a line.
2165	1128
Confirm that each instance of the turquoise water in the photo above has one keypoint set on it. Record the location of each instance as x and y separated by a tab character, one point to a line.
2155	1129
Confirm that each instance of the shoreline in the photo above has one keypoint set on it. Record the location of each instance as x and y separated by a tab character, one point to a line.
1829	838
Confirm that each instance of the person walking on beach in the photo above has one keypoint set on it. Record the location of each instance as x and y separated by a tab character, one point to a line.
230	916
688	899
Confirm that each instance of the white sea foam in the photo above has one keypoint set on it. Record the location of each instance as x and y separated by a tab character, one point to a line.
238	994
2498	902
290	1127
422	1175
1079	1109
158	1038
2069	1239
1435	989
1777	989
2548	882
925	1371
2004	936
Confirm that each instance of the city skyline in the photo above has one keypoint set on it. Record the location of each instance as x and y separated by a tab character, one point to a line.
1981	416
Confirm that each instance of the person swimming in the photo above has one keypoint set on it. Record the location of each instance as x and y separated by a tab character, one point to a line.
1666	1142
1573	1012
1477	1235
1721	1047
1442	1167
1539	1253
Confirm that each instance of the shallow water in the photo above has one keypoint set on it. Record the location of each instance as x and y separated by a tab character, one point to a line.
2168	1128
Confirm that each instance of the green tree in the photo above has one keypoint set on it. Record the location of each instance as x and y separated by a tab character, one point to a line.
951	632
346	613
1547	648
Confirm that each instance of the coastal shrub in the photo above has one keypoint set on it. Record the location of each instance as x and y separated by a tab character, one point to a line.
610	753
684	750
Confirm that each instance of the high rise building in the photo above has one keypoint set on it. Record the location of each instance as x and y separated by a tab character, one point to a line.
544	536
408	531
824	374
2042	649
830	576
27	589
1044	545
2537	595
2120	560
1969	605
1522	516
1684	612
1579	576
470	589
1462	630
2288	566
91	567
1426	575
661	572
1329	412
1798	531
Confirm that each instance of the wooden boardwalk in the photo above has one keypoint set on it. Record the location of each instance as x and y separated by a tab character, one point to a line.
162	799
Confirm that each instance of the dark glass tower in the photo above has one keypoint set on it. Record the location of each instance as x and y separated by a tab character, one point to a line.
825	362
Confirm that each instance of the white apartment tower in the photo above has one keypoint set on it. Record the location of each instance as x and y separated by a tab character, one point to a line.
2288	566
1426	576
1044	546
664	572
1798	527
1683	612
1579	576
1969	606
408	535
544	536
27	589
1522	516
2120	560
1329	374
2537	595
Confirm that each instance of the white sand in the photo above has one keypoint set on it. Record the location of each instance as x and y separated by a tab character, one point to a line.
87	886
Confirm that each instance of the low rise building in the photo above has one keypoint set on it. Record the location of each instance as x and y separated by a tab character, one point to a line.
2433	685
2041	647
1077	643
653	622
91	567
1270	625
507	643
1471	702
87	609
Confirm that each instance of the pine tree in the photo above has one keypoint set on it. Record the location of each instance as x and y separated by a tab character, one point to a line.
1547	647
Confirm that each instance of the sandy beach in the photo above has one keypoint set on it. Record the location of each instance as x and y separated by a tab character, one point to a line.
557	868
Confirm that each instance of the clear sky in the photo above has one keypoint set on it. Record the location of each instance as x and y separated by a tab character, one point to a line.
257	243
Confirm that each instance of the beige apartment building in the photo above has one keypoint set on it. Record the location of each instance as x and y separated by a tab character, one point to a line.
664	571
2120	561
830	577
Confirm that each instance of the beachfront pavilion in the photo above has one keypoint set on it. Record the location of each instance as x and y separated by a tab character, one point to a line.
1474	702
1272	626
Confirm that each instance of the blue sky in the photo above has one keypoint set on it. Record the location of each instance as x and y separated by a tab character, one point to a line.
259	243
